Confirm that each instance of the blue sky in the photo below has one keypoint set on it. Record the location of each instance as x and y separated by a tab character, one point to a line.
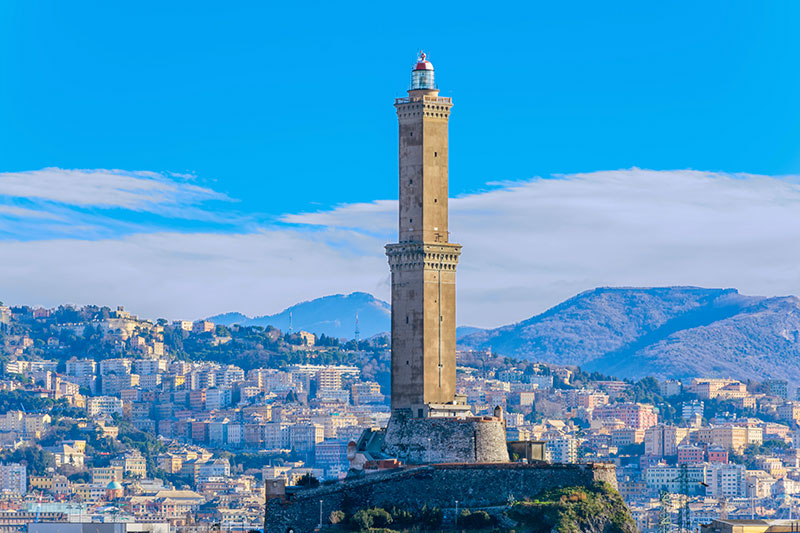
254	119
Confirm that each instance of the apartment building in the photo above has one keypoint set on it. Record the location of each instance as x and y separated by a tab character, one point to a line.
13	479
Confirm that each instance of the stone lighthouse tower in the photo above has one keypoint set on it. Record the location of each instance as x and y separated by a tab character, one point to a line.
423	262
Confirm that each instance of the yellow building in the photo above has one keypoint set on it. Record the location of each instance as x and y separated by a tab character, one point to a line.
103	475
169	463
40	482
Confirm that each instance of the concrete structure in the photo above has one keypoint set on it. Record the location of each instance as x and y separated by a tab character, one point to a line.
13	479
103	405
423	263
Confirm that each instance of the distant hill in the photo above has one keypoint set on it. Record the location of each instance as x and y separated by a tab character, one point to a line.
463	331
665	332
334	316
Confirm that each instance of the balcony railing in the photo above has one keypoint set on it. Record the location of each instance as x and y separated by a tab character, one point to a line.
424	99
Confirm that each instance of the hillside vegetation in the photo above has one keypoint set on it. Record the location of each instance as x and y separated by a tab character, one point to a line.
666	332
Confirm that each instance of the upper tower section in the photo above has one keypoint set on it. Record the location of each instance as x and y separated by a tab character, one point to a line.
423	118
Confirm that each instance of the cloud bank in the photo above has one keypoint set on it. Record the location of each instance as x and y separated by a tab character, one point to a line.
99	202
527	245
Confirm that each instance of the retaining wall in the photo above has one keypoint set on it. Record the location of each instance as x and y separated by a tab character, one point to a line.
438	485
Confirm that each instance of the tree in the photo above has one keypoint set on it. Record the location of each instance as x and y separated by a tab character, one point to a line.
308	481
336	517
474	519
362	519
430	517
34	458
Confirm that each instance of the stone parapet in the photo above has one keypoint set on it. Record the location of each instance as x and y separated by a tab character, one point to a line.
420	255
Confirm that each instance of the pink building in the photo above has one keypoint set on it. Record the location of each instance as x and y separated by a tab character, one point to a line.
633	415
689	454
717	455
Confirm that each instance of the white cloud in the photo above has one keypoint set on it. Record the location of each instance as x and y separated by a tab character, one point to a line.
527	246
92	203
135	190
178	275
22	212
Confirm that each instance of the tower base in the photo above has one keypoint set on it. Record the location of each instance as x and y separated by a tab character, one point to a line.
445	440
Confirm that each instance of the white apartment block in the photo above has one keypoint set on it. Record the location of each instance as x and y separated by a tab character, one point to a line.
103	405
276	436
727	480
115	366
563	450
13	479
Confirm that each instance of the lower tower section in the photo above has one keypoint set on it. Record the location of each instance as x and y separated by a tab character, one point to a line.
423	325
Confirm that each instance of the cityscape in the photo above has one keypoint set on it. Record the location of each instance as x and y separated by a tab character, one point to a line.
288	352
154	433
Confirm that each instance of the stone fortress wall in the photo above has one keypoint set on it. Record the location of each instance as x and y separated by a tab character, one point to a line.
439	485
445	440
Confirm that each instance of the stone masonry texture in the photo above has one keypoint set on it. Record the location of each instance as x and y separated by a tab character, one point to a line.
472	485
446	440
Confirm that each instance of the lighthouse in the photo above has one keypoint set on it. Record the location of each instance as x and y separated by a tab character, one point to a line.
423	261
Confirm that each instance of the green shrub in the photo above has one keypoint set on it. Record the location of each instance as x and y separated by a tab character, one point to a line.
430	517
380	517
374	517
402	517
362	519
308	481
474	519
574	509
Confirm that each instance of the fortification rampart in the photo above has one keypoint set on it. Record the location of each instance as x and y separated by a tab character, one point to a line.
439	485
446	440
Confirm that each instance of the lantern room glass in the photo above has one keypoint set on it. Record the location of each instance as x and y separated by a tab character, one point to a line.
422	79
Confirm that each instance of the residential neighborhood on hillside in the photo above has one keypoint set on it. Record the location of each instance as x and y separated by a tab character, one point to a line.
108	417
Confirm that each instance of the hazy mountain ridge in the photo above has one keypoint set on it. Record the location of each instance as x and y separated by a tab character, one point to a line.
625	332
664	332
333	315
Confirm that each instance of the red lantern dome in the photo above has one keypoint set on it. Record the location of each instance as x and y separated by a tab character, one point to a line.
422	63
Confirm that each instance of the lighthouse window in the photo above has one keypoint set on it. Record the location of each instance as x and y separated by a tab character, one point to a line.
435	200
435	154
411	134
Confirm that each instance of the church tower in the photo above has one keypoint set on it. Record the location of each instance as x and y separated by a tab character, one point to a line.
423	262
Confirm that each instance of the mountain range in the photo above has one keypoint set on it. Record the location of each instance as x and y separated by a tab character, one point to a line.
334	316
627	332
665	332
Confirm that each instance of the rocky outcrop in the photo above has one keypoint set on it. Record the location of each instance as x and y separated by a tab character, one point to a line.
473	486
